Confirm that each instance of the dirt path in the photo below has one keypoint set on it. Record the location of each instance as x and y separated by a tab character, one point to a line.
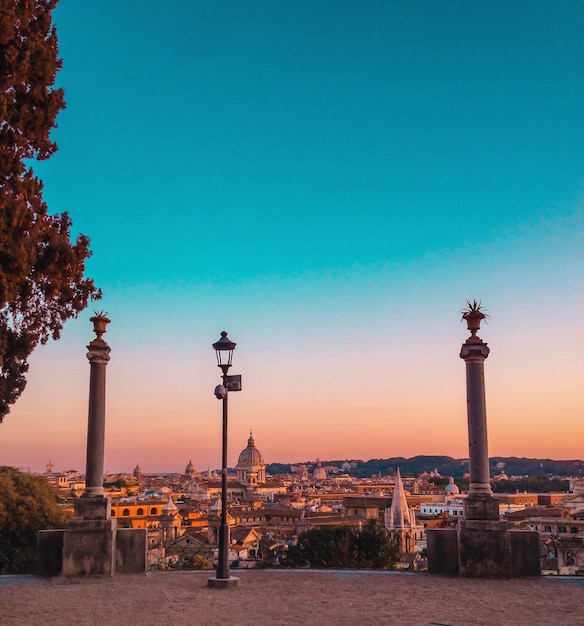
292	597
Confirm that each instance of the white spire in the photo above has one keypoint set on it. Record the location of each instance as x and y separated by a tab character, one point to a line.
170	507
399	514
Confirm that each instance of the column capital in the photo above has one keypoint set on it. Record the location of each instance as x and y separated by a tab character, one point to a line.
473	351
98	351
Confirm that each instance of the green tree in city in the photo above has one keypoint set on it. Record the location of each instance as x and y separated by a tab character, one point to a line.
374	548
344	547
326	546
27	505
42	282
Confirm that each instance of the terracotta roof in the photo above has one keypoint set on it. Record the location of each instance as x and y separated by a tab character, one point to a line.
534	511
241	533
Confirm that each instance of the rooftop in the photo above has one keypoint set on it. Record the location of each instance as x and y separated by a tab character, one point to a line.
271	597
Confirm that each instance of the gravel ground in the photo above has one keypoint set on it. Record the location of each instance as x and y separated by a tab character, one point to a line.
265	597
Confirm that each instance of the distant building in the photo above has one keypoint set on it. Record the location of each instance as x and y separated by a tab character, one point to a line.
169	524
251	482
575	504
451	506
138	474
137	513
319	473
400	520
366	506
251	469
190	471
451	490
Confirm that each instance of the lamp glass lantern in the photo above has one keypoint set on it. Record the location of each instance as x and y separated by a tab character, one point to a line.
224	350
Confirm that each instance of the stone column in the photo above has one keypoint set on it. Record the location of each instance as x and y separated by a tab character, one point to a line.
481	546
89	541
92	544
98	355
480	503
474	355
484	543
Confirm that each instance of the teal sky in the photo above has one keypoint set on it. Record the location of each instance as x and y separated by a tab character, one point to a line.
329	182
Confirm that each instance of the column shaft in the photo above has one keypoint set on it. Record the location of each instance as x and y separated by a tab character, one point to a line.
95	431
98	355
477	426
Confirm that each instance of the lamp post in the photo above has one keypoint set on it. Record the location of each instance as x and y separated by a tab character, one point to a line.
224	350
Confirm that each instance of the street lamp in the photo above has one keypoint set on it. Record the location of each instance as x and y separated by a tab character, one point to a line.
224	350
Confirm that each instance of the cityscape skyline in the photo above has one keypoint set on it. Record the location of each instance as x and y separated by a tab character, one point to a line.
329	187
432	464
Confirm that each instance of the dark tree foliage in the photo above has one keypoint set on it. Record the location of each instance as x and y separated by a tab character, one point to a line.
41	269
520	466
375	548
447	466
343	547
442	481
413	466
278	468
439	481
27	505
531	484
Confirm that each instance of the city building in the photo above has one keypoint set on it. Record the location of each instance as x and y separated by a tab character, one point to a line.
400	520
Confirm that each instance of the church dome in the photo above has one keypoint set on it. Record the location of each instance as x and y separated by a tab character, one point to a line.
137	473
190	469
250	456
451	489
319	472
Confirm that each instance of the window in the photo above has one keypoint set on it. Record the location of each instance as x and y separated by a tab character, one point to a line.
574	530
140	511
562	529
113	513
547	529
126	512
570	558
153	511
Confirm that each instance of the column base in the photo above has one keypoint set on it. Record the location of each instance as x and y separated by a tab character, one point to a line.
89	548
481	506
92	508
484	549
222	583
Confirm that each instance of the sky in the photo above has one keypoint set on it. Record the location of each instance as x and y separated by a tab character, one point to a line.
329	182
